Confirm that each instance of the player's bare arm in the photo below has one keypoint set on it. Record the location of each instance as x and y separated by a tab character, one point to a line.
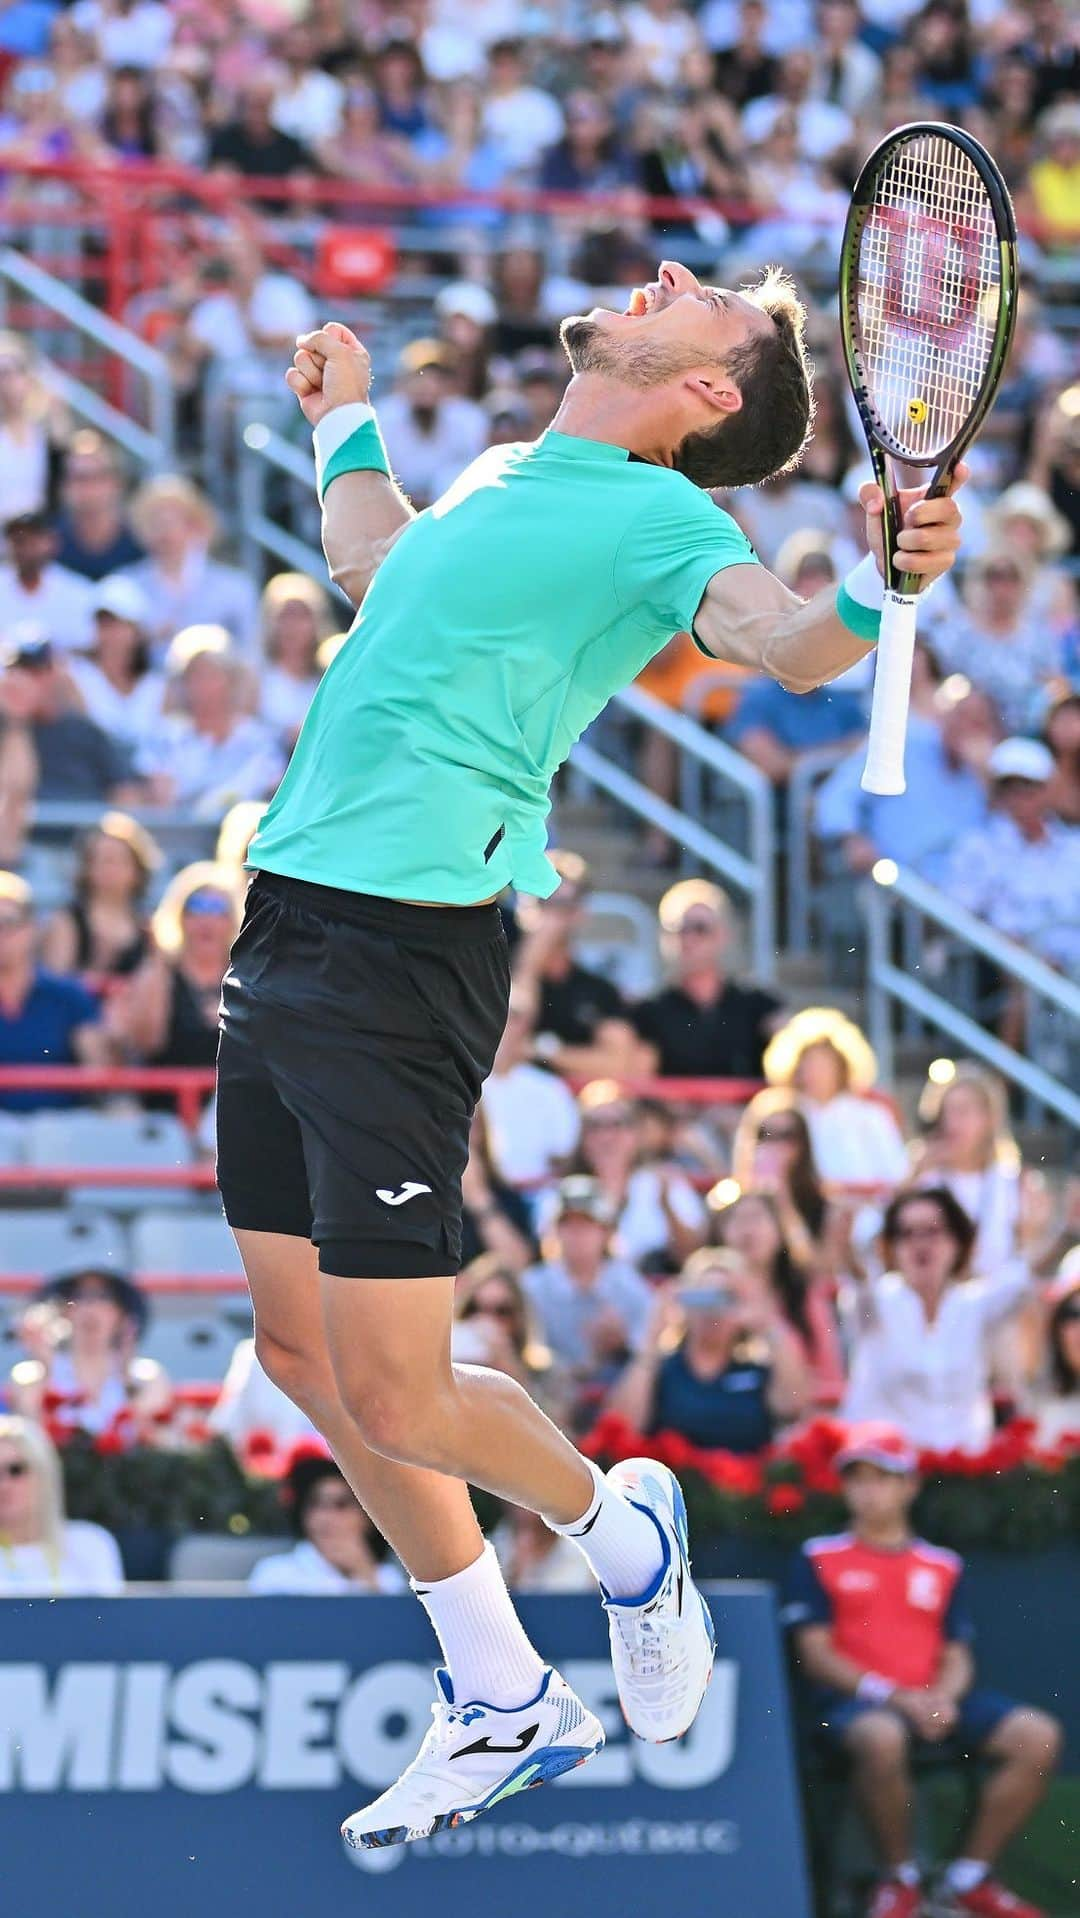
364	512
751	618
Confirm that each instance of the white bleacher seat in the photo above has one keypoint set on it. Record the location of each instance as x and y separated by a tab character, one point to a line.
12	1126
217	1556
59	1239
195	1345
140	1139
195	1241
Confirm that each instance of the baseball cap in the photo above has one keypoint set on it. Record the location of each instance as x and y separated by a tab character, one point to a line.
465	296
28	645
420	354
875	1443
587	1198
1021	759
123	598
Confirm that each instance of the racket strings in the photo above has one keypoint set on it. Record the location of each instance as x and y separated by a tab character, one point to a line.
928	287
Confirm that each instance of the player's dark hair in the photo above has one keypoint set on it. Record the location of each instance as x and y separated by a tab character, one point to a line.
774	374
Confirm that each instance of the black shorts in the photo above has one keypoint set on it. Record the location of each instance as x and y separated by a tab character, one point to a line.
356	1034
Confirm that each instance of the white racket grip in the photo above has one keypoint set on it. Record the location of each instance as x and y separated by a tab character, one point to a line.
884	769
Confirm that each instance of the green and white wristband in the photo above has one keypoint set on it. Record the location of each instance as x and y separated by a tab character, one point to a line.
348	440
859	599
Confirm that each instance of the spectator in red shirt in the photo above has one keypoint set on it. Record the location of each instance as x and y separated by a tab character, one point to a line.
883	1634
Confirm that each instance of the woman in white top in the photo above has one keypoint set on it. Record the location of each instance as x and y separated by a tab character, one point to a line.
42	1552
921	1335
969	1148
295	619
826	1060
90	1373
114	681
1057	1397
24	435
660	1217
334	1551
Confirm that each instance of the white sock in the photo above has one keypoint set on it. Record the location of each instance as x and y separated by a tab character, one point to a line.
487	1652
907	1874
620	1541
965	1873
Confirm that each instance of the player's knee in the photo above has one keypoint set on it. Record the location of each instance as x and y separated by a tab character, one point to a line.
390	1419
302	1374
1033	1738
879	1741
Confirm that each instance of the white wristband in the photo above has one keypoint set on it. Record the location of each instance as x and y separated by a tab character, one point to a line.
865	585
875	1689
334	429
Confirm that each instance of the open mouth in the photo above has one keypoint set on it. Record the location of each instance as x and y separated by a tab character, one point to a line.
641	301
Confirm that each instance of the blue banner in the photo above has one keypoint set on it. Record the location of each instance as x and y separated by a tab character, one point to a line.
161	1758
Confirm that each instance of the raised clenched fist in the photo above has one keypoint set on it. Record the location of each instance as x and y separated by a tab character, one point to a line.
330	367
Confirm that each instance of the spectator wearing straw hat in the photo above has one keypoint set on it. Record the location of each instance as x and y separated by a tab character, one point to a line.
832	1067
184	585
43	1553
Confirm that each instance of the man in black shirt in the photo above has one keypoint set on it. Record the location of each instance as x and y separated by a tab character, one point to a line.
583	1027
76	760
703	1026
252	145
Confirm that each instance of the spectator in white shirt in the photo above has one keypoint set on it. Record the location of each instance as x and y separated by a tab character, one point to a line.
24	436
660	1219
593	1310
184	585
212	752
36	593
335	1551
1021	871
126	33
114	680
518	119
661	33
822	129
295	618
846	73
308	102
431	433
43	1553
921	1335
827	1061
530	1116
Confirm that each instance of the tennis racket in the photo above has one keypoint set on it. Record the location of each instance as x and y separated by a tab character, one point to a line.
928	283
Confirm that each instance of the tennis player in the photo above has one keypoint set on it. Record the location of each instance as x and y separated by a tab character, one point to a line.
367	989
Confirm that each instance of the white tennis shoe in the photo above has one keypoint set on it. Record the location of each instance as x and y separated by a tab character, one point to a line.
473	1757
663	1643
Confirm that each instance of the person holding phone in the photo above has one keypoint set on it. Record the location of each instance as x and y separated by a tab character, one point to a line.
717	1366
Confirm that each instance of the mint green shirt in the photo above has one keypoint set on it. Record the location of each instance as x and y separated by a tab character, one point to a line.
498	626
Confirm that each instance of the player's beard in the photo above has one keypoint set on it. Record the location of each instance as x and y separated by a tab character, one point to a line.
590	348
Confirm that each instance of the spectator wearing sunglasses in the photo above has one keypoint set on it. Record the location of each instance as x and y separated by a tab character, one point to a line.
659	1218
703	1025
922	1335
1057	1395
338	1552
43	1553
168	1015
88	1324
495	1325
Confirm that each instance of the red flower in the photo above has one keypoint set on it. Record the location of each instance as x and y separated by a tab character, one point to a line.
781	1500
110	1442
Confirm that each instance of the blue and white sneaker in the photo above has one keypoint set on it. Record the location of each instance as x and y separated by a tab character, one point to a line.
473	1757
663	1642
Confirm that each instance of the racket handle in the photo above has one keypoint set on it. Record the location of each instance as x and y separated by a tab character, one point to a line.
884	769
